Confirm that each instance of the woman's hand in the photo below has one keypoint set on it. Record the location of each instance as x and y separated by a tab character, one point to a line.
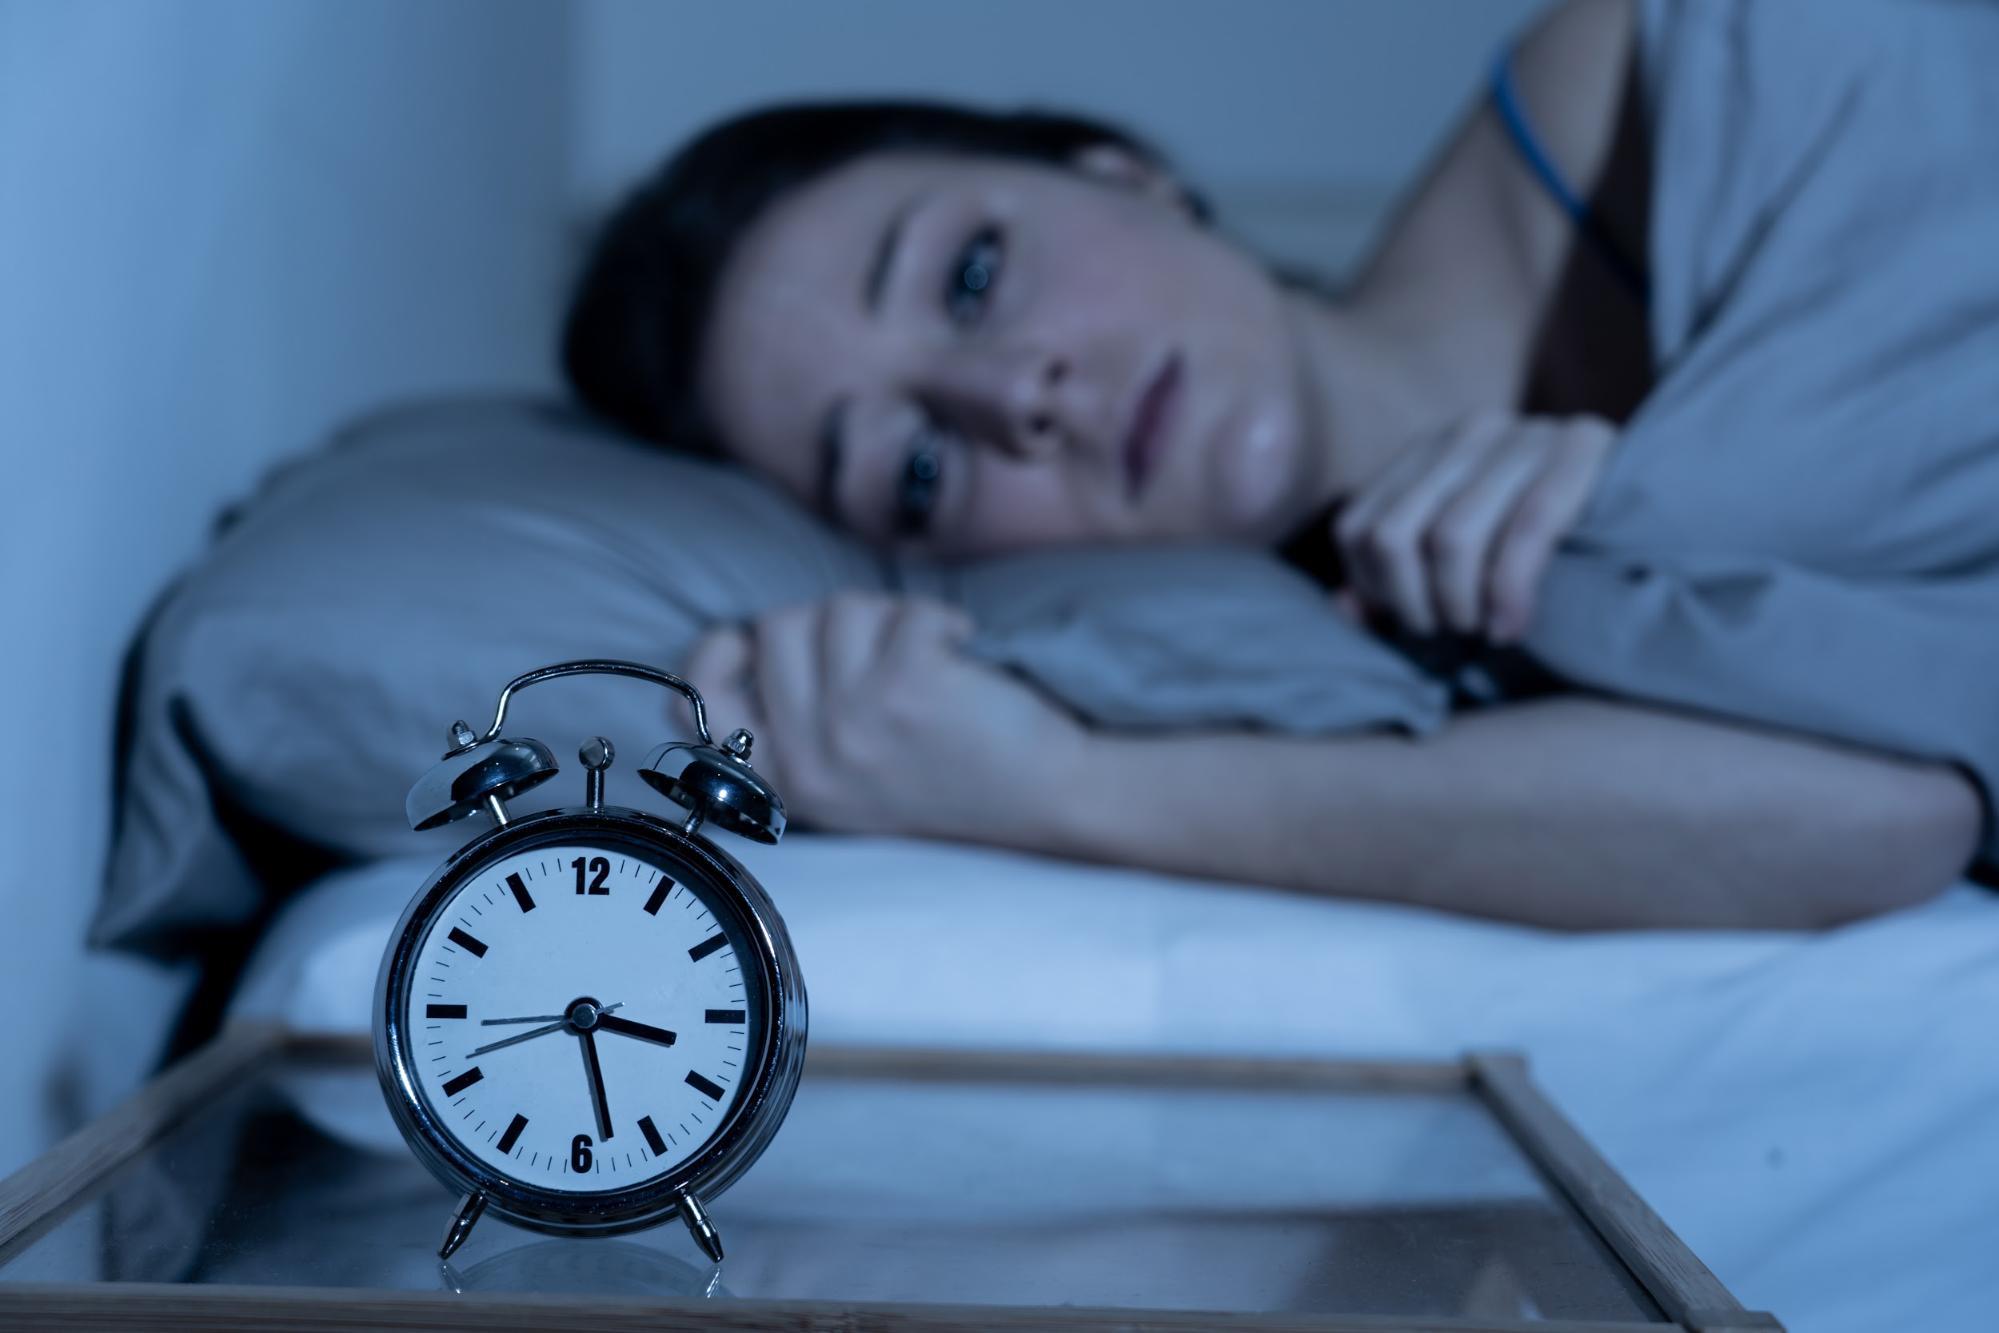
868	719
1457	531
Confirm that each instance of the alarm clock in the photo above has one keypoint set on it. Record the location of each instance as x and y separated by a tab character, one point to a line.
590	1019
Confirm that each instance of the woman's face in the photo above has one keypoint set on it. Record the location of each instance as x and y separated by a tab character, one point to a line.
975	355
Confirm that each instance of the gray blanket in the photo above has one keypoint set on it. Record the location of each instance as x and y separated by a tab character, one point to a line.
1801	525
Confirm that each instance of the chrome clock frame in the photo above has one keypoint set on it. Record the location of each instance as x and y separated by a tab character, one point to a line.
772	1071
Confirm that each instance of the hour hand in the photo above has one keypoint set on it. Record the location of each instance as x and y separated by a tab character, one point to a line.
643	1031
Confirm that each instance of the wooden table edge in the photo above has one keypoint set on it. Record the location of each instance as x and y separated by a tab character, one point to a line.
239	1309
1684	1287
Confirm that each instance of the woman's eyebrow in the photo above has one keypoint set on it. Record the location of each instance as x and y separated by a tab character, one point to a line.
878	271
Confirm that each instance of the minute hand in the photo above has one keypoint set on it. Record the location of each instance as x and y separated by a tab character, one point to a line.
529	1035
643	1031
556	1026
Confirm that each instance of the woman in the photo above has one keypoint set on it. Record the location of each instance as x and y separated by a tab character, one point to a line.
975	334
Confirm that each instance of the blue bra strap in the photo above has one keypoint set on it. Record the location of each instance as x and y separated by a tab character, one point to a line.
1506	101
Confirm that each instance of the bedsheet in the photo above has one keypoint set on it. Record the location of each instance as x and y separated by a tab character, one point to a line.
1817	1115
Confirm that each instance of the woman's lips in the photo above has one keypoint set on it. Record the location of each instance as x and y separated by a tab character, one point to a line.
1147	435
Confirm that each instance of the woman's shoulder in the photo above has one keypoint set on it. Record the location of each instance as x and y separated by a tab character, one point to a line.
1570	64
1479	228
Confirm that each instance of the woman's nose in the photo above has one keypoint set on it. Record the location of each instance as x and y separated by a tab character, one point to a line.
1014	399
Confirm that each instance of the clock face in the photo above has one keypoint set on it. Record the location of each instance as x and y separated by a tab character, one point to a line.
579	1018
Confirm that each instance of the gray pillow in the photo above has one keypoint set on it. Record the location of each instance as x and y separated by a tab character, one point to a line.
293	684
1181	636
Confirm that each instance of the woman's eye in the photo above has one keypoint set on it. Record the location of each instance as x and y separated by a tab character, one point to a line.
973	273
916	495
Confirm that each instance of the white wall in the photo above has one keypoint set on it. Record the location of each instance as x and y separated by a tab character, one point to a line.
223	226
1300	117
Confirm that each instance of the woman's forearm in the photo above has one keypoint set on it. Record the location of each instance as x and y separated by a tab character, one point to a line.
1569	812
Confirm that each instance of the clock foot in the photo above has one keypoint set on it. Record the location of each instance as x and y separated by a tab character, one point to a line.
461	1224
703	1231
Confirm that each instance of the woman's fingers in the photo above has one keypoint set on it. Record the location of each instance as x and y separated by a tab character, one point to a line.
920	628
803	665
852	630
1385	532
1545	513
1459	545
720	667
787	651
719	656
1457	532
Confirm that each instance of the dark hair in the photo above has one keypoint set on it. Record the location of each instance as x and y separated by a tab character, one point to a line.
630	340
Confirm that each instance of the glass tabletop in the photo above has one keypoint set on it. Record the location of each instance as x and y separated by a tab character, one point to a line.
903	1189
